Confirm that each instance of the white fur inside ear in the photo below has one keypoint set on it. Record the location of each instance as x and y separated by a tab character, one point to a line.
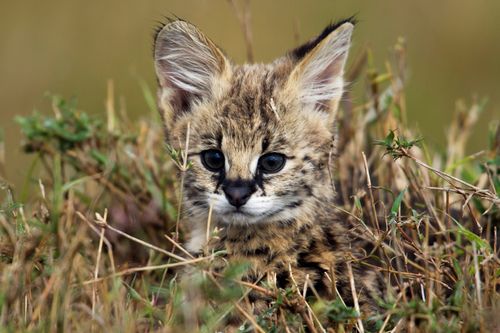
321	78
189	64
185	60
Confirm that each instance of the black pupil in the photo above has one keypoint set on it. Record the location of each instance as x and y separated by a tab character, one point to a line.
213	159
272	162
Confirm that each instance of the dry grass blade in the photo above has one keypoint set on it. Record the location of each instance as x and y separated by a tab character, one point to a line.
96	272
244	19
355	296
146	269
137	240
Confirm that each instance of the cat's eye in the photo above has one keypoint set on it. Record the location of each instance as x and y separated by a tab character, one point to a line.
212	159
272	162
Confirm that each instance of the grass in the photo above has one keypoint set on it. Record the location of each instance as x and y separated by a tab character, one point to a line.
94	243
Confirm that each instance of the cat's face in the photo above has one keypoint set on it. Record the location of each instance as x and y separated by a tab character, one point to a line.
260	137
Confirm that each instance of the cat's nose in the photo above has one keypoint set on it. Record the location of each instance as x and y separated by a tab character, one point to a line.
238	193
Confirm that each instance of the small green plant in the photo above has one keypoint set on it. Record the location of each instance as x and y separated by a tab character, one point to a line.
397	146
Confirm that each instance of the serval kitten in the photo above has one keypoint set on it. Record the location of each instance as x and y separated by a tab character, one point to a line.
261	143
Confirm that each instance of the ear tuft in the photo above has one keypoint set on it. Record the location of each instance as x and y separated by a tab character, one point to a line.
318	76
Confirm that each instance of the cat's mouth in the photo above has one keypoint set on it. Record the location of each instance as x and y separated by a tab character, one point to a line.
241	211
254	211
238	216
246	216
238	212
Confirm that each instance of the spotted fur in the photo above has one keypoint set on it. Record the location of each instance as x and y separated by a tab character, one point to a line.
288	227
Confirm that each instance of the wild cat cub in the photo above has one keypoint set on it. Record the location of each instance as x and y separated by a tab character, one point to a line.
261	143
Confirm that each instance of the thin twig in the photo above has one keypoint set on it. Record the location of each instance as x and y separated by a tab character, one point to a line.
355	297
180	247
309	323
369	183
96	271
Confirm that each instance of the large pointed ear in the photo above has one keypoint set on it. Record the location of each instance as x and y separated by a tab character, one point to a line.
189	67
317	79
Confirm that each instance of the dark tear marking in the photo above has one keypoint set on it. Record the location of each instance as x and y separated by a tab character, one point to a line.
259	180
219	178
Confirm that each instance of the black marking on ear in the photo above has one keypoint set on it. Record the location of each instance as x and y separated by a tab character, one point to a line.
302	50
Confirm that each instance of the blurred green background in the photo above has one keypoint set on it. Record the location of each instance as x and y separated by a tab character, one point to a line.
74	47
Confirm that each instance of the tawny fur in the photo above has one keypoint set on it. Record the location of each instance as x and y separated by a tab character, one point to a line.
289	224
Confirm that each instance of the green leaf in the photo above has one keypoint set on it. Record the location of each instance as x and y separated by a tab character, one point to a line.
472	237
389	138
397	203
99	157
66	187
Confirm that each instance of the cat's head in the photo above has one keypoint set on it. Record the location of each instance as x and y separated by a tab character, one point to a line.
260	137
